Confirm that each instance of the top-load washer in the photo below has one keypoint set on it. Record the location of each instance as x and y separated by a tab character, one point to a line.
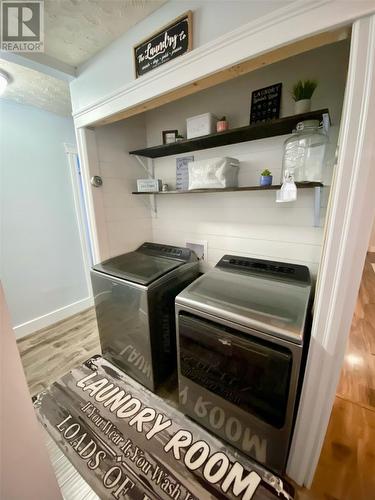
134	302
242	335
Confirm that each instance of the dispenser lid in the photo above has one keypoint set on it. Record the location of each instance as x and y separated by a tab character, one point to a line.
308	124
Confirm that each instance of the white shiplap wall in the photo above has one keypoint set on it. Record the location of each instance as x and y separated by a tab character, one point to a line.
128	217
243	223
250	223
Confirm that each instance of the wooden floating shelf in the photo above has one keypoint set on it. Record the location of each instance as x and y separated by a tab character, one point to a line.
300	185
254	132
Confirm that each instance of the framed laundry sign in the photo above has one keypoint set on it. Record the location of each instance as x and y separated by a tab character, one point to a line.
171	41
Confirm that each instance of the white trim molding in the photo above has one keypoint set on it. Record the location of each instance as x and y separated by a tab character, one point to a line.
53	317
72	156
89	158
347	235
286	25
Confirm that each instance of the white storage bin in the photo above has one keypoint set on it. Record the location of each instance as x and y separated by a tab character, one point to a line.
149	185
200	125
213	173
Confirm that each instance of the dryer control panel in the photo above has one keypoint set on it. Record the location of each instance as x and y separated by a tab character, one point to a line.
265	268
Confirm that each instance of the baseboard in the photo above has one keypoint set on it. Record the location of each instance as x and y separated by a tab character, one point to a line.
53	317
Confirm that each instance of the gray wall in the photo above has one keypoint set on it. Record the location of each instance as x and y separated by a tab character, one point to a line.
41	258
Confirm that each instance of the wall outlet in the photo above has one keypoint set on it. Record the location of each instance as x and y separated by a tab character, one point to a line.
199	247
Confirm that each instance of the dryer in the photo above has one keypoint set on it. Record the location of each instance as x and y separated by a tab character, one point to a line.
242	337
134	302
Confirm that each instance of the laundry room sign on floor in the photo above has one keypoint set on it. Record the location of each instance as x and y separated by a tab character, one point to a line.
127	442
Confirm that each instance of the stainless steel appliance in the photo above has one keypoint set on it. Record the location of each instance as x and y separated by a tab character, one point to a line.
242	336
134	301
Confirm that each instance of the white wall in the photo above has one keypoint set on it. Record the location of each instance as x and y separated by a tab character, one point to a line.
41	257
249	223
127	217
113	67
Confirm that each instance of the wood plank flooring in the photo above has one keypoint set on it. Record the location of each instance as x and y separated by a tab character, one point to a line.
346	469
357	382
53	351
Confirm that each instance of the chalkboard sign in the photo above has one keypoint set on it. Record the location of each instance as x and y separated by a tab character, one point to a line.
265	104
169	42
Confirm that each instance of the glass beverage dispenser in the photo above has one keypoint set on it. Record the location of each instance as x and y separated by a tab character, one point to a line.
304	152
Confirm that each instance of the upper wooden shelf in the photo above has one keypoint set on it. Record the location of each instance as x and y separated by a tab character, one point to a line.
281	126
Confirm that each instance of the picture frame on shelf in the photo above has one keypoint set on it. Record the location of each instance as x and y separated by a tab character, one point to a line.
169	136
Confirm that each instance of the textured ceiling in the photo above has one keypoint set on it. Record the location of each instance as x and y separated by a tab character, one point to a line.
31	87
75	30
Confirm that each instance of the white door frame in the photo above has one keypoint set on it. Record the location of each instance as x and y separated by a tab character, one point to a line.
350	216
72	156
352	203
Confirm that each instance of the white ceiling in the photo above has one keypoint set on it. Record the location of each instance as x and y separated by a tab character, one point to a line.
37	89
75	30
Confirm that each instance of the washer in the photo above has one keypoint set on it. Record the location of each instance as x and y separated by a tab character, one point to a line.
242	333
134	302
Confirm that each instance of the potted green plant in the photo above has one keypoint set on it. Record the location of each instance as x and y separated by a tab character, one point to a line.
266	178
179	138
302	93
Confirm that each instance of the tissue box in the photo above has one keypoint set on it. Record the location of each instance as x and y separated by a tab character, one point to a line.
200	125
213	173
149	185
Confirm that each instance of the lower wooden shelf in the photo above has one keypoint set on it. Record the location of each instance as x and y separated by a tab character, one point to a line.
273	187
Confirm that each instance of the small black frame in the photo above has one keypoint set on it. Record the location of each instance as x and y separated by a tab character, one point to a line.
169	136
265	104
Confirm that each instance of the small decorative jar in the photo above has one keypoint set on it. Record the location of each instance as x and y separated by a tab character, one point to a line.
305	152
222	125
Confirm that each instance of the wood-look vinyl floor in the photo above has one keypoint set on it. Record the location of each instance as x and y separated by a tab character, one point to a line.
53	351
357	382
346	468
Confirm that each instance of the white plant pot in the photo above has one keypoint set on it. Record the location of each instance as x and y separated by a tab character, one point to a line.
302	106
